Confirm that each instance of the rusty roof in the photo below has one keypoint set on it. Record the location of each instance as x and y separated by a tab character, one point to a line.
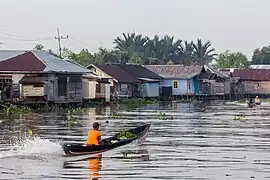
23	62
175	71
128	73
118	73
37	61
219	73
252	74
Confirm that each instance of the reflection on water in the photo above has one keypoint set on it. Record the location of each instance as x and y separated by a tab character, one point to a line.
201	141
94	166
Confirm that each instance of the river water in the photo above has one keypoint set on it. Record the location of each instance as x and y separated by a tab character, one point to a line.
191	141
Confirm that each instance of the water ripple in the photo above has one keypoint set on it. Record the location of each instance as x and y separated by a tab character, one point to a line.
196	141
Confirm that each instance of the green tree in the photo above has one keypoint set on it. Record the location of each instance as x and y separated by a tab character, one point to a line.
136	48
187	50
39	47
84	57
130	45
231	60
203	53
261	56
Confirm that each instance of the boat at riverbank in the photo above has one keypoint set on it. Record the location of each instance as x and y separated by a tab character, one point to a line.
110	143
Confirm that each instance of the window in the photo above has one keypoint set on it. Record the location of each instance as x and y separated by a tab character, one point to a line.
257	85
98	88
175	84
123	87
62	85
189	85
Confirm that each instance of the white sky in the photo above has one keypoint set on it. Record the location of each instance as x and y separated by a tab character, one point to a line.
237	25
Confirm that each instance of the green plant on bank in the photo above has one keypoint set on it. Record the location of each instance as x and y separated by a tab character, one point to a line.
56	108
135	103
183	100
10	109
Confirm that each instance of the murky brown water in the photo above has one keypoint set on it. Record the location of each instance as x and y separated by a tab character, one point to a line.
193	142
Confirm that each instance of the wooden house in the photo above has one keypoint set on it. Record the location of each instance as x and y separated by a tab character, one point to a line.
215	82
40	76
96	88
177	80
254	81
129	80
180	80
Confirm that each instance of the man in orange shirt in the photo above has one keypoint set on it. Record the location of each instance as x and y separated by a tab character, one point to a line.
94	137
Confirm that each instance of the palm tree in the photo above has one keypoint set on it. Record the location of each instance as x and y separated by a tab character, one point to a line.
187	53
130	44
203	53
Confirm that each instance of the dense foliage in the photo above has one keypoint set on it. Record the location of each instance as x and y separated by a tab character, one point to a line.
136	48
231	60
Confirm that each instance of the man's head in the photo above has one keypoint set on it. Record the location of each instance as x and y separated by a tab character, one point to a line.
257	96
96	125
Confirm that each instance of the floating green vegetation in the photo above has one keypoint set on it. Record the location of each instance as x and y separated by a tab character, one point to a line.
57	108
10	109
115	116
163	116
70	116
53	108
240	118
266	100
186	100
135	103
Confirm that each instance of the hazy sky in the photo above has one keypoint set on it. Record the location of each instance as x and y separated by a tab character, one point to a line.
237	25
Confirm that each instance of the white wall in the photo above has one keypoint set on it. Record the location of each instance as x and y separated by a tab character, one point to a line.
89	89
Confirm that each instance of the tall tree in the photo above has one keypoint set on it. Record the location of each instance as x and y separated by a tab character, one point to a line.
231	60
187	50
130	44
203	53
261	56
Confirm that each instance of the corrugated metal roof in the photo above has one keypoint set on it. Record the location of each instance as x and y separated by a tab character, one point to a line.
26	62
175	71
252	74
118	73
56	64
260	66
128	73
149	79
139	71
217	72
7	54
53	63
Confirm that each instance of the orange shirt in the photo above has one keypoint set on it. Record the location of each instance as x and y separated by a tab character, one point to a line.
92	138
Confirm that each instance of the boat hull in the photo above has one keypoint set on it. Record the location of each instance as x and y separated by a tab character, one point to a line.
106	144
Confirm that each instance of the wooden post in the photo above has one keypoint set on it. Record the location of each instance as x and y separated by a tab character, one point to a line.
67	88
